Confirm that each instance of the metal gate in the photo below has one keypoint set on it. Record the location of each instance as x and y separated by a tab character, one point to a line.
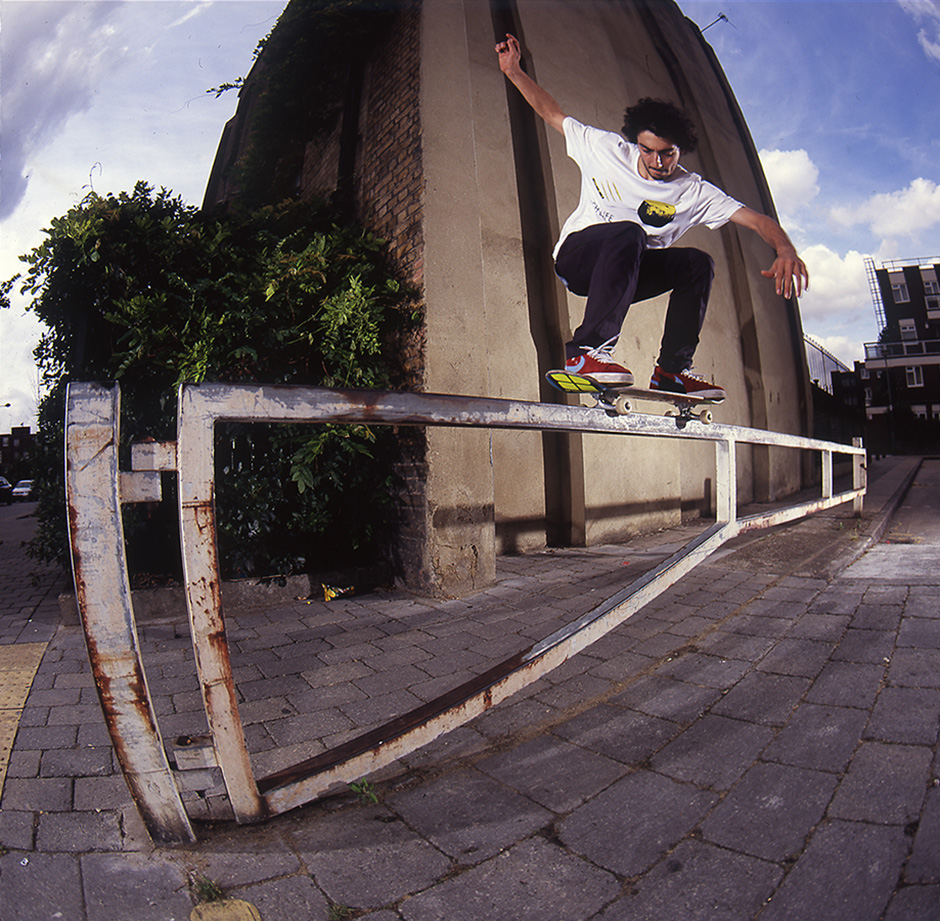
96	489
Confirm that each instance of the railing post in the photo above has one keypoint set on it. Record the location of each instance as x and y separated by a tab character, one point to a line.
199	544
826	474
859	478
726	481
102	590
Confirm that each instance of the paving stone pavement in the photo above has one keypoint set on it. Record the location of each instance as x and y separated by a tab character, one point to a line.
758	743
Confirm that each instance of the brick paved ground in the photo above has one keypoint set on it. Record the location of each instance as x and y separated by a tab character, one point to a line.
760	742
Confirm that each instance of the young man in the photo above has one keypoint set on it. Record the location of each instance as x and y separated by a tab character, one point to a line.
615	248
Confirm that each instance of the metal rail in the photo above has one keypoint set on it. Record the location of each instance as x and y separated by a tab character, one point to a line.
95	483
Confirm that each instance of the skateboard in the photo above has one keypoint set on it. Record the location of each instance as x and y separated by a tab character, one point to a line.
617	399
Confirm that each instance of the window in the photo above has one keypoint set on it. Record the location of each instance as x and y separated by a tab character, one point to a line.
908	329
865	373
900	293
915	376
931	287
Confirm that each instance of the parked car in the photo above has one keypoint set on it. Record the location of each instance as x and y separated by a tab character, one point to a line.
6	491
23	491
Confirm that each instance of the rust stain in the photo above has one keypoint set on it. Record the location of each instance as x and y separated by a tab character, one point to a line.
102	667
114	714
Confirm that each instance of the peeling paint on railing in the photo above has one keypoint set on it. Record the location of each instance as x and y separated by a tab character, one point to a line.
96	490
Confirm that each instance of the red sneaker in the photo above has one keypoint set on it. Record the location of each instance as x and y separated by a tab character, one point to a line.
598	363
685	382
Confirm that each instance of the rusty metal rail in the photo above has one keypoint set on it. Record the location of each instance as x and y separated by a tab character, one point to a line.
96	489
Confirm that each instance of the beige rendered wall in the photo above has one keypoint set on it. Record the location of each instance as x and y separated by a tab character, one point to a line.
489	322
471	190
477	332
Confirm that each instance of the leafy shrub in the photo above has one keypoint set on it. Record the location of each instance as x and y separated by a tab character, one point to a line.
143	289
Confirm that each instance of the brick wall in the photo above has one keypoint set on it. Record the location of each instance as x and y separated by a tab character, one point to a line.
321	166
389	170
389	192
388	186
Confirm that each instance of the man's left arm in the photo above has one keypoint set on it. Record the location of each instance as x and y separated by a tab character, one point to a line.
787	267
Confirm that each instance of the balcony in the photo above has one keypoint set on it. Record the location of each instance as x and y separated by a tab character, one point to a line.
888	351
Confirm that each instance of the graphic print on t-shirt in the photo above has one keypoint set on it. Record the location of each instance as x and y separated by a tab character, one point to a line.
656	213
607	190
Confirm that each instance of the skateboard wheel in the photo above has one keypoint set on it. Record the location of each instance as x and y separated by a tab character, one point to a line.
623	405
705	417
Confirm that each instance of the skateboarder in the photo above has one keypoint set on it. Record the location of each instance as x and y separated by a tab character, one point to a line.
615	248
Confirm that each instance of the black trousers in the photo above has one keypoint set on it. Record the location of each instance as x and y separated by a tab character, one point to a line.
612	265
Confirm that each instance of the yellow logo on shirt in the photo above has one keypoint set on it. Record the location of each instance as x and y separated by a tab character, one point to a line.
607	189
656	213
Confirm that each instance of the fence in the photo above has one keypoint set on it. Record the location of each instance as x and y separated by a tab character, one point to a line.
96	489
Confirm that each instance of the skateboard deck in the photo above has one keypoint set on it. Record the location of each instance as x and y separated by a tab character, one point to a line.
617	399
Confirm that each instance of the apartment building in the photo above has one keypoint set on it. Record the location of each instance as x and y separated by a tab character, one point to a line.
901	372
15	452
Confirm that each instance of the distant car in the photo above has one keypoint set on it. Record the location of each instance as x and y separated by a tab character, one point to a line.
23	491
6	491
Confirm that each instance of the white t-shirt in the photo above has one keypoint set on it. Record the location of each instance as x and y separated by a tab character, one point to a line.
612	189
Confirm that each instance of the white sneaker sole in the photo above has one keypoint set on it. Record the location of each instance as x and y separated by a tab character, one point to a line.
602	377
716	395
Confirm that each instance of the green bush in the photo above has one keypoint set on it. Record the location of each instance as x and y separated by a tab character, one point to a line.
143	289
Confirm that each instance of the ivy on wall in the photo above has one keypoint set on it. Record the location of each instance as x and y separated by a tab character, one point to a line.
143	289
307	67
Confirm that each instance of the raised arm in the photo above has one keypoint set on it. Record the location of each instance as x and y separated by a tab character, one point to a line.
787	268
510	56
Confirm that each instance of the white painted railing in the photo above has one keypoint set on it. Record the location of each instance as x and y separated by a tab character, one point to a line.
96	489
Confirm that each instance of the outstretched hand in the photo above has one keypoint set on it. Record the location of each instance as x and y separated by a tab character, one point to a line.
510	63
510	54
789	273
787	267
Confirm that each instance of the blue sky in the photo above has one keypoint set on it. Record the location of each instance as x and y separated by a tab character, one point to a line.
99	95
841	97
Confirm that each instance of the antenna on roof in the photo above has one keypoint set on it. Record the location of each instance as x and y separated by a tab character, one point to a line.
721	18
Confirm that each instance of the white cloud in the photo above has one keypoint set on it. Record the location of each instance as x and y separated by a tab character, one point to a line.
847	349
195	11
928	12
904	213
793	179
105	93
18	338
54	57
837	284
837	310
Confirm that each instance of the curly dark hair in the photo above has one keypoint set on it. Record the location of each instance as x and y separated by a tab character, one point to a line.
664	119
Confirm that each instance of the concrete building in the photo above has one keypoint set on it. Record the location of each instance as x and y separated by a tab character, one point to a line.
837	413
445	160
901	372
